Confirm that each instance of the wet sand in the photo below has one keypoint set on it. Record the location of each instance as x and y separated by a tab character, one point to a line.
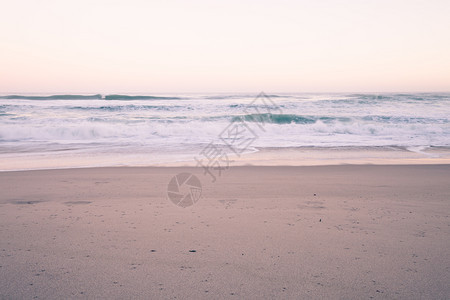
354	232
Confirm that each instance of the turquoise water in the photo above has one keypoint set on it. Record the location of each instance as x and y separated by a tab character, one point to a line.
180	125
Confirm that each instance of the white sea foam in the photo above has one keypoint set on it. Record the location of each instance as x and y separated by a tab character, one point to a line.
183	124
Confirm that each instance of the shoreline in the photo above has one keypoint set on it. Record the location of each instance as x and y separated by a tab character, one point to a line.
262	156
192	167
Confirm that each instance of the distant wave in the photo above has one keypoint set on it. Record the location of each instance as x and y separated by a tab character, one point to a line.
389	97
128	97
53	97
297	119
276	118
223	97
372	96
243	96
127	107
87	97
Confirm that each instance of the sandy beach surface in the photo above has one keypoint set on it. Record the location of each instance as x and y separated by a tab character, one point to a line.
322	232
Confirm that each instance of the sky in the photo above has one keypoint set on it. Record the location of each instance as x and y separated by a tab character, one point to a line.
170	46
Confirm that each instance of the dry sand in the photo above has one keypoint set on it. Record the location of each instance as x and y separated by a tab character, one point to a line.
353	232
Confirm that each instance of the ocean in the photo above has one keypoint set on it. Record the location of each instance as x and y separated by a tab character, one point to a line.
47	131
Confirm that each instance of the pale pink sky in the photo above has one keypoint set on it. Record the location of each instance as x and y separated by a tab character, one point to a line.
107	46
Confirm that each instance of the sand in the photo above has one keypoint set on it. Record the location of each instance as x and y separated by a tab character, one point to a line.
353	232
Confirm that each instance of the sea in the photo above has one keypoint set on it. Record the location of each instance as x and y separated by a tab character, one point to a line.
66	131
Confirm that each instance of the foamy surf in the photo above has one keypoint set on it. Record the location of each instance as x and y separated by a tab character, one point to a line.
155	129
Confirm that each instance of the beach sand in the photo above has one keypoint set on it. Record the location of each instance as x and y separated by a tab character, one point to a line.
321	232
